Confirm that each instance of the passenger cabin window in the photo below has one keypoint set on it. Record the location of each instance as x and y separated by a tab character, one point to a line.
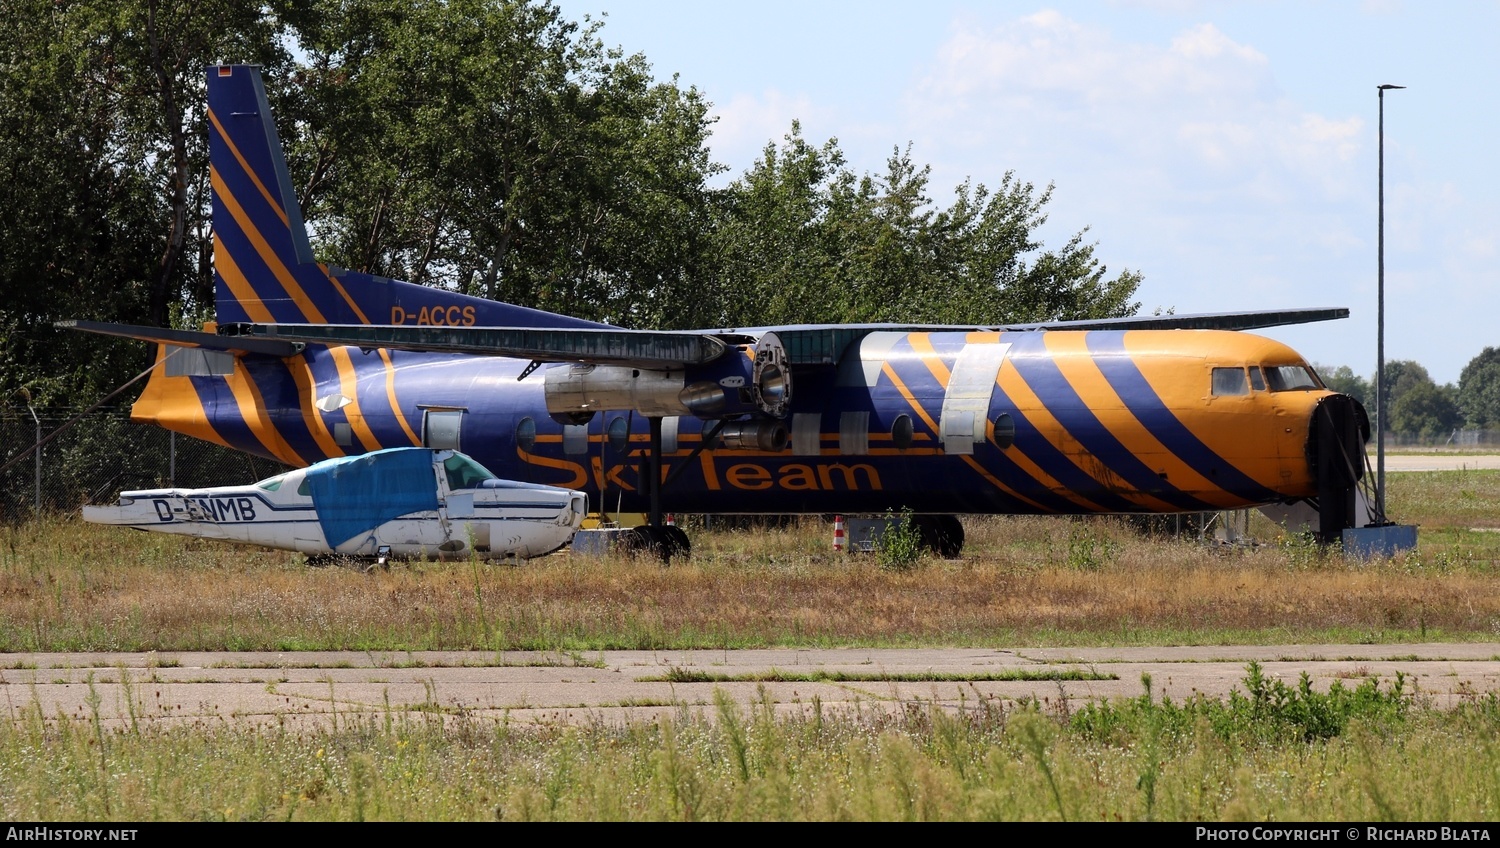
1289	378
902	431
618	433
526	434
1005	431
1230	382
271	484
464	473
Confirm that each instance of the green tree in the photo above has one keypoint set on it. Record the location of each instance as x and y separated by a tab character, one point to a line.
804	240
1427	410
1343	379
103	204
1479	390
1401	375
492	147
774	259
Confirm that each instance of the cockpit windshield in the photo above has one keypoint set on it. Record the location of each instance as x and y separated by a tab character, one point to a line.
271	484
1289	378
465	473
1229	381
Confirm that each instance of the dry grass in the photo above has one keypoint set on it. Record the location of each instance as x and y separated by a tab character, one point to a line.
66	585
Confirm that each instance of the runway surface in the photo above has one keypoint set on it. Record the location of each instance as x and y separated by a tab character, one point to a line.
309	690
1438	462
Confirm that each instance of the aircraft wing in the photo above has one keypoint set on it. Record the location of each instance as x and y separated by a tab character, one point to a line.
667	348
1202	321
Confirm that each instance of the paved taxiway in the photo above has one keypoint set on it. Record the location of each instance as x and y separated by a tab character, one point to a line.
321	689
1439	462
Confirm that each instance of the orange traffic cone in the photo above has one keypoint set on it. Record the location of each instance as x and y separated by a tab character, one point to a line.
838	534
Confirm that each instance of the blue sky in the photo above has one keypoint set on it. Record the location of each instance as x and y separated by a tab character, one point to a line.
1226	150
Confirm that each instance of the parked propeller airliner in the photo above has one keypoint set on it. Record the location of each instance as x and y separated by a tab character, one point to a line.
1153	414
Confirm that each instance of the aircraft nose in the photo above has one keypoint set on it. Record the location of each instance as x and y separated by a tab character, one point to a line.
1340	429
579	507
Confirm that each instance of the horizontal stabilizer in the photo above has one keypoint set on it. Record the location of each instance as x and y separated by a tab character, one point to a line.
187	338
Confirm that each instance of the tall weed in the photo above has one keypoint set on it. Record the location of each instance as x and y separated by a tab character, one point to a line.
1089	548
1267	712
900	546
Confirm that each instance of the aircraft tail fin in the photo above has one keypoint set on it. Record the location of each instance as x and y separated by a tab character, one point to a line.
264	270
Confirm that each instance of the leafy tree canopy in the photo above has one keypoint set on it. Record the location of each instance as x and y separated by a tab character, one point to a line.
1343	379
103	199
1401	376
805	239
1479	390
1427	410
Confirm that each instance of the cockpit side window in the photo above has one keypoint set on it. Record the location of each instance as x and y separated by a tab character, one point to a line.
1290	378
464	473
1230	382
1257	382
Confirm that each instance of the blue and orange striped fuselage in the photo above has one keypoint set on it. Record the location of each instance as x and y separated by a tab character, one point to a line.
1089	422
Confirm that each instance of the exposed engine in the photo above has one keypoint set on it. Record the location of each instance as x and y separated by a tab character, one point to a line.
750	389
762	434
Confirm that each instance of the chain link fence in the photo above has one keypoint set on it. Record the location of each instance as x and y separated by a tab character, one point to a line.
1456	440
102	454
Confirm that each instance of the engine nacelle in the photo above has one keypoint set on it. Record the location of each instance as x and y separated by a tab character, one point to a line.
733	385
576	390
772	379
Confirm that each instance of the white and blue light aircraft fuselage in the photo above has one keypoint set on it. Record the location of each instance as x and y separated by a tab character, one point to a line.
402	503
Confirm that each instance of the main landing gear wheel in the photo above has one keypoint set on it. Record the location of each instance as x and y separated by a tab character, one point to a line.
666	541
941	534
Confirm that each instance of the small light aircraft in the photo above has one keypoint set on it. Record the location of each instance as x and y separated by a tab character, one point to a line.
1151	414
401	503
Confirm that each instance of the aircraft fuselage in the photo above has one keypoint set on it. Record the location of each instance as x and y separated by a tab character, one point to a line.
944	422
